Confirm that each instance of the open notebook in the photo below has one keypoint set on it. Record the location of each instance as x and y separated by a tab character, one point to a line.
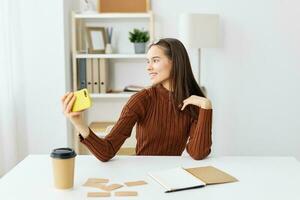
177	179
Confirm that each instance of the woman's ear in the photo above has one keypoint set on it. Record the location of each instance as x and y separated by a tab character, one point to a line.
170	62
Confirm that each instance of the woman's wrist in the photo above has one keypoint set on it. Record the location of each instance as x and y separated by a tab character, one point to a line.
83	130
206	104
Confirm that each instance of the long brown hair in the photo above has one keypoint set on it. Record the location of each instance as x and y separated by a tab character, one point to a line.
182	80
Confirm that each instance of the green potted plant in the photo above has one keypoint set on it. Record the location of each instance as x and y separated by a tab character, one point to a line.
139	38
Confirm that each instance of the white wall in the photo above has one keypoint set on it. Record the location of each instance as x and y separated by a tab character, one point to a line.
254	78
44	62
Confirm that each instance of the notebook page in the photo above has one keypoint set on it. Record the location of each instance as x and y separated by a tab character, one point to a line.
176	179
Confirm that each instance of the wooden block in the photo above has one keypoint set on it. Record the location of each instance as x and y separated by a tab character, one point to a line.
109	187
98	194
95	182
90	184
98	180
135	183
126	193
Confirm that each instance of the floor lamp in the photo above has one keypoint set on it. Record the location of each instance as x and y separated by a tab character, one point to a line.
198	31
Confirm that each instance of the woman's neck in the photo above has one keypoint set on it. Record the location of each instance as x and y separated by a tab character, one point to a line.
166	84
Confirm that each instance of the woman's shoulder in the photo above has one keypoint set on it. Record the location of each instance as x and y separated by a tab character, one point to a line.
140	101
152	93
145	93
142	97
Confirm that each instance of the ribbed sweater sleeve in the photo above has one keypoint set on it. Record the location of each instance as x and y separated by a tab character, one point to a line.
199	144
106	148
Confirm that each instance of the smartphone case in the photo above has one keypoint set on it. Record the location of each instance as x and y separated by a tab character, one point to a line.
83	100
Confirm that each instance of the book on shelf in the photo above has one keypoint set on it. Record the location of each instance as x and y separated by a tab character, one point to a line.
133	88
179	178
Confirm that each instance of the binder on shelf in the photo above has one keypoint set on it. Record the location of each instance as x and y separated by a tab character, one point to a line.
89	78
95	75
81	66
103	75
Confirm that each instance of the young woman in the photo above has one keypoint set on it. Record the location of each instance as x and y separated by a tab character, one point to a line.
171	115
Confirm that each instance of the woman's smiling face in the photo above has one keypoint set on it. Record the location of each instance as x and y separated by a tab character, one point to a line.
158	66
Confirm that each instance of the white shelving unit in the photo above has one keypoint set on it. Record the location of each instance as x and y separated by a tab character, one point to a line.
106	106
77	19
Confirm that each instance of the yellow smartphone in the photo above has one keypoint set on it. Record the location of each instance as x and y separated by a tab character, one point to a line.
83	100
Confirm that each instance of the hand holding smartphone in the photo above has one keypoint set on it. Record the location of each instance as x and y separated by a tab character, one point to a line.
82	101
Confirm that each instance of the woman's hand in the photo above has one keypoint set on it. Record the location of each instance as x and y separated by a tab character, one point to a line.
67	103
75	117
197	101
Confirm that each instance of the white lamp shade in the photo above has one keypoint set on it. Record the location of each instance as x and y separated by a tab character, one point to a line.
199	30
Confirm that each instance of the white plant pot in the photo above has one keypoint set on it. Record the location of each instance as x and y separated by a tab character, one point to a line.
139	47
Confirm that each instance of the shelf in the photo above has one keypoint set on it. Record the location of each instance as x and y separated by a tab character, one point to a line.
123	22
111	56
113	95
112	15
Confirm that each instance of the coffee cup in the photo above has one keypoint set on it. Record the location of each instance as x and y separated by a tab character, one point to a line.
63	162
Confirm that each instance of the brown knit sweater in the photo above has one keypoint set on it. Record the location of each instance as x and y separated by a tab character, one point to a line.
160	131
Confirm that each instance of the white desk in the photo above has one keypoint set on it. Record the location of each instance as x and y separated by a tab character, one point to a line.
265	178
